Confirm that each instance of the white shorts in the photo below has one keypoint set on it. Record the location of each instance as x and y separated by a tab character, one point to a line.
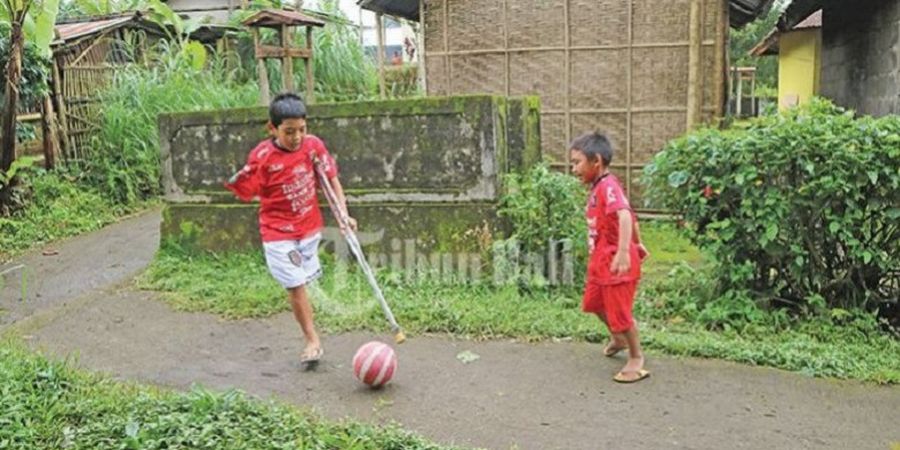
294	263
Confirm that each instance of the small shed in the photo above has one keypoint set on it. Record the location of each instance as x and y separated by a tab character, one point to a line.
859	68
86	52
799	53
283	21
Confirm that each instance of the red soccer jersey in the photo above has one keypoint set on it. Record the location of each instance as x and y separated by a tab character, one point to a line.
285	183
604	203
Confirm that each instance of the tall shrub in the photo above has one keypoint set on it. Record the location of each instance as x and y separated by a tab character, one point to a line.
799	209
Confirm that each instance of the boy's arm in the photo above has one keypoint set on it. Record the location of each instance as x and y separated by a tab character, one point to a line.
342	200
621	262
642	250
245	182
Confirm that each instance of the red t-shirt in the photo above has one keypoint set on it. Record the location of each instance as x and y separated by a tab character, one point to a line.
604	203
285	183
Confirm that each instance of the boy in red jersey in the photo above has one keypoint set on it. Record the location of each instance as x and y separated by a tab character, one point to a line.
614	265
280	173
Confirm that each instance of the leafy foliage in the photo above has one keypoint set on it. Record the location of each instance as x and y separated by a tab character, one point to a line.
798	209
35	69
543	206
83	8
37	24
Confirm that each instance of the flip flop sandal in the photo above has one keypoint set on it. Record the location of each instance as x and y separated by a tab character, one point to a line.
609	351
621	377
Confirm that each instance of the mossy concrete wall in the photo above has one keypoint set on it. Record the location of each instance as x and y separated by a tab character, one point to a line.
427	169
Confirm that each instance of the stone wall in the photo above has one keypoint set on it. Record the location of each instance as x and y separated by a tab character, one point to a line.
424	170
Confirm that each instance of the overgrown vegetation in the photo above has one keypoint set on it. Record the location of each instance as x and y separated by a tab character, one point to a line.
35	69
799	210
120	171
124	163
57	207
46	404
543	206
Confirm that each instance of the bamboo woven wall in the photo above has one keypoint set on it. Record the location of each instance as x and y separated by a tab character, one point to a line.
85	68
618	66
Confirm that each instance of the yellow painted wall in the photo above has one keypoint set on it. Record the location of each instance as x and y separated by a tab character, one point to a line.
799	66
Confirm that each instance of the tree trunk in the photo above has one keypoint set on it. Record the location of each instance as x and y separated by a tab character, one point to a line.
11	92
8	123
48	130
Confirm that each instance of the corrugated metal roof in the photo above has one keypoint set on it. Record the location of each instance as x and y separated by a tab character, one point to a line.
813	21
799	10
68	31
769	44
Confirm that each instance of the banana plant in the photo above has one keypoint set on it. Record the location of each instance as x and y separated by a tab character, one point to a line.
33	20
37	19
179	30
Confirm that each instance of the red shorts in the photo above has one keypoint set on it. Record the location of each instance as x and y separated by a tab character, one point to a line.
613	301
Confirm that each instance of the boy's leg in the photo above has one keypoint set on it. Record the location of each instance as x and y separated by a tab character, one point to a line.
632	369
620	299
616	342
593	302
303	313
294	264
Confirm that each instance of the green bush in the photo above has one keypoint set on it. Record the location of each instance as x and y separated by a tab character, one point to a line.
543	206
799	209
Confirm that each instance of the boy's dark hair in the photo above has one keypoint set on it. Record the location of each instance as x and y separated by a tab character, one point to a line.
594	145
286	106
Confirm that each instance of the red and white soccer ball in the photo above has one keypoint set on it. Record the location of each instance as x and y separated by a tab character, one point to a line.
375	363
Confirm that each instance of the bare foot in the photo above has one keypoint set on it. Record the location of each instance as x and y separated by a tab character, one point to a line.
312	353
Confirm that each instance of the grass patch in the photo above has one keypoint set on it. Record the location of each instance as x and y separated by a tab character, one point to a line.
60	207
667	250
849	345
48	404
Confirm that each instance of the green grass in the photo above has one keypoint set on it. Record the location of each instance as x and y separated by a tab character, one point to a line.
48	404
60	208
239	286
667	249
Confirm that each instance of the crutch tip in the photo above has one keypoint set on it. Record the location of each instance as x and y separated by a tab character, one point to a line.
399	337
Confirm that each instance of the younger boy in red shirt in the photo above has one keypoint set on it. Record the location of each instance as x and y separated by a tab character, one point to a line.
614	265
281	173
